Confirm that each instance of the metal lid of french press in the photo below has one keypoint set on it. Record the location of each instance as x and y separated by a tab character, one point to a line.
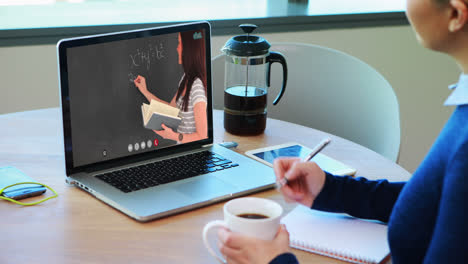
246	45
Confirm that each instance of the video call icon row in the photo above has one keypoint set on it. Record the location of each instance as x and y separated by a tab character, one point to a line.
142	145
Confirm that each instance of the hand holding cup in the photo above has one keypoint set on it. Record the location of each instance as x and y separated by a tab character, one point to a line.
248	217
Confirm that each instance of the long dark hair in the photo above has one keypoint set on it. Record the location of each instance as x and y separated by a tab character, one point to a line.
193	62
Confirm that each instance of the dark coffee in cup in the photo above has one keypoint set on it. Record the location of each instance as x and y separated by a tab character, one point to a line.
252	216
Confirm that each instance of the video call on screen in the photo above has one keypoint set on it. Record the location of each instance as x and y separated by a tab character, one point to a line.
105	104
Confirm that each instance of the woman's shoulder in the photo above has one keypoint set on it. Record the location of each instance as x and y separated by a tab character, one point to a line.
197	86
197	81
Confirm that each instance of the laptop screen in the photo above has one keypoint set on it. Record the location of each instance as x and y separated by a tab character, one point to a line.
136	92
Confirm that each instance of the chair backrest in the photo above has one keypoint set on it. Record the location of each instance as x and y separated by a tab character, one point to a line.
331	91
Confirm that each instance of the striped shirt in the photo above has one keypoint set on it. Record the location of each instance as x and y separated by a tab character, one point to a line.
197	94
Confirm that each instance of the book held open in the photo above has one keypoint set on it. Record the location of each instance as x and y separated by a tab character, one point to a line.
157	113
337	235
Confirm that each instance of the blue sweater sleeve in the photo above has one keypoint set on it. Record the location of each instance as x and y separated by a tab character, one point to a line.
358	197
285	258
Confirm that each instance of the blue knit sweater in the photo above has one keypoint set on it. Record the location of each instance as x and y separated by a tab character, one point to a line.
428	216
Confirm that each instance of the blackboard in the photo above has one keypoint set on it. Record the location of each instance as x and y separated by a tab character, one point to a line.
105	104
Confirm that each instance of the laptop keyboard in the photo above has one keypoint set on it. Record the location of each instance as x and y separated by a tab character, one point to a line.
165	171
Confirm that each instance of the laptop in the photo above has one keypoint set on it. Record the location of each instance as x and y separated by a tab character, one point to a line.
145	173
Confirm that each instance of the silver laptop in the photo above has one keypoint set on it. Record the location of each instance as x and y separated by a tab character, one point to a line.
110	153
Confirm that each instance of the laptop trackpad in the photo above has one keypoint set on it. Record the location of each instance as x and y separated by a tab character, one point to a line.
205	187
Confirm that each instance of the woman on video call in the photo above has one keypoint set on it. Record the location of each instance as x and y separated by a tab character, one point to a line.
428	215
191	96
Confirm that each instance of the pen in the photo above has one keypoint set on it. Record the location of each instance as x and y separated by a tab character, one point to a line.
315	151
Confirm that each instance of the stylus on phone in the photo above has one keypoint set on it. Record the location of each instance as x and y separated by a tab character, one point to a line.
315	151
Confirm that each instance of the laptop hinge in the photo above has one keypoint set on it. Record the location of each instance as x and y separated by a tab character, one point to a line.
207	145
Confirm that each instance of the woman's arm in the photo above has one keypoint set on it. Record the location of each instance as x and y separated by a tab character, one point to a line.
140	83
201	124
358	197
173	102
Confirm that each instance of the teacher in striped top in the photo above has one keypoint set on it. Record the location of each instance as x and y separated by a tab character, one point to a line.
191	96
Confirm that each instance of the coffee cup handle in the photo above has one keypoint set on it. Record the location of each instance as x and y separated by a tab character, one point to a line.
210	225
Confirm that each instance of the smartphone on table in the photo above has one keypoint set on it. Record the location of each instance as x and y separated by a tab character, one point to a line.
10	175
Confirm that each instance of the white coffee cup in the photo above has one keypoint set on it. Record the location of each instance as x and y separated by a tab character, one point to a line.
264	228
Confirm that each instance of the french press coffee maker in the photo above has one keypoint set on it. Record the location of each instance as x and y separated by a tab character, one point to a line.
247	79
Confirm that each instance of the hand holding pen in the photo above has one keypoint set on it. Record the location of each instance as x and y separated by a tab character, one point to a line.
284	181
300	181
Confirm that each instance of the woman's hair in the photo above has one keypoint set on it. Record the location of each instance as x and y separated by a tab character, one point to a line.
444	2
193	62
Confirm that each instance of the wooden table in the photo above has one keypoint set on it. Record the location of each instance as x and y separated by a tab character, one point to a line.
77	228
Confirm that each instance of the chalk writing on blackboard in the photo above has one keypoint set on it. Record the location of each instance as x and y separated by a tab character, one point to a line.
145	57
131	77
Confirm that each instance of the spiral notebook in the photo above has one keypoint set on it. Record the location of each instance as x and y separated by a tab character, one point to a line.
337	235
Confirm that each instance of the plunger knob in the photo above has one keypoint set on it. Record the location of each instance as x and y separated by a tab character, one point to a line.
248	28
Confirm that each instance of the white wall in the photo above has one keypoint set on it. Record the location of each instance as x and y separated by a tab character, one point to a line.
419	77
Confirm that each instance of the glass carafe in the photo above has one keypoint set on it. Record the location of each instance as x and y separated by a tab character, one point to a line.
247	79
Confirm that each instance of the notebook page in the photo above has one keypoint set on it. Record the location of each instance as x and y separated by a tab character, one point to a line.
162	108
337	234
